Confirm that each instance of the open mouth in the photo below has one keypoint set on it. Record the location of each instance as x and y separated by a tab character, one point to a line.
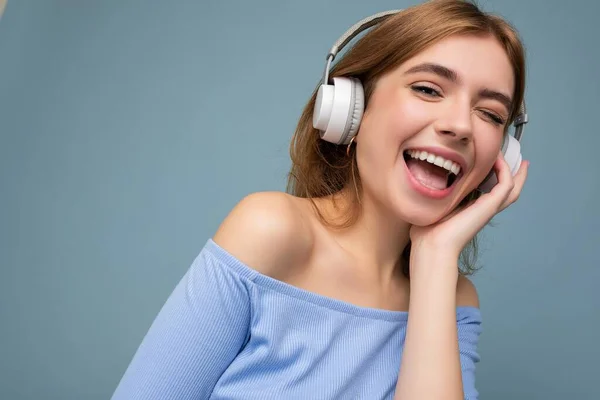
432	171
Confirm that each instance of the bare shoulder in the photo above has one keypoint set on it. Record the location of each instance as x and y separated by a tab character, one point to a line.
466	293
268	232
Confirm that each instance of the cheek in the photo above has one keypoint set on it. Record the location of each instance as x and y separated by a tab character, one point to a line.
490	148
486	153
393	116
407	114
394	124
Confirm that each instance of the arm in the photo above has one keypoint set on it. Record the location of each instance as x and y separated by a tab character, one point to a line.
194	338
431	360
206	320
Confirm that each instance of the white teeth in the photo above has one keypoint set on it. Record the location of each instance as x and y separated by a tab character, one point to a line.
436	160
439	161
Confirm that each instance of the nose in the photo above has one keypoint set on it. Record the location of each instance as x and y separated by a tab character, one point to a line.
455	122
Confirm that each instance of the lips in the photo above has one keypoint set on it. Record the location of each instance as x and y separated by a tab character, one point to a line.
433	172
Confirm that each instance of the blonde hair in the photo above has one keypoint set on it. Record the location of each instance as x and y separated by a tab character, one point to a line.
320	168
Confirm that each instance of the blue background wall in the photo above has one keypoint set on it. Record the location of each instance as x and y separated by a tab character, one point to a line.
128	129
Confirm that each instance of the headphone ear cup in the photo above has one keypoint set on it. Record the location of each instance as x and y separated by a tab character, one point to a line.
513	157
357	110
323	107
339	109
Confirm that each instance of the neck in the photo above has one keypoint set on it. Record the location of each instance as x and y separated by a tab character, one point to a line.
376	239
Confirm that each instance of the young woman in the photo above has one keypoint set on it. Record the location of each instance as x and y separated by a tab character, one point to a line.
349	286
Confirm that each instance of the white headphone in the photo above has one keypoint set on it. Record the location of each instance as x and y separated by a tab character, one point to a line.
339	106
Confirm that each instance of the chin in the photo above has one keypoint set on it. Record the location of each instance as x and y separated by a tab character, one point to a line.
424	186
419	214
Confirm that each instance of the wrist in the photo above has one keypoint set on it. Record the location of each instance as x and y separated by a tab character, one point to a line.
434	264
425	249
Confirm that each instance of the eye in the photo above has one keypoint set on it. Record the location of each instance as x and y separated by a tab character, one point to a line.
426	90
493	117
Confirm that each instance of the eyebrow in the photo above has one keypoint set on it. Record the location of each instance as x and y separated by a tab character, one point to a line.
453	77
493	95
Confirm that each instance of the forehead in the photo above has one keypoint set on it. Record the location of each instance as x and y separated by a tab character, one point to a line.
478	61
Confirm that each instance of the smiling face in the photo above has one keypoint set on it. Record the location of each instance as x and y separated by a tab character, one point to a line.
434	127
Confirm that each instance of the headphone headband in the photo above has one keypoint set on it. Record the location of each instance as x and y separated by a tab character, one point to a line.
350	34
520	120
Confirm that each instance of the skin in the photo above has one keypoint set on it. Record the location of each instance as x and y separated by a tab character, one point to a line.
280	236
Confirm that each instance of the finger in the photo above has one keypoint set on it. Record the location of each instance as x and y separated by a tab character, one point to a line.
505	183
519	180
493	200
481	211
477	214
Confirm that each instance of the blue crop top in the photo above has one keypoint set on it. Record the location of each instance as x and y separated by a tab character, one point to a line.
230	332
